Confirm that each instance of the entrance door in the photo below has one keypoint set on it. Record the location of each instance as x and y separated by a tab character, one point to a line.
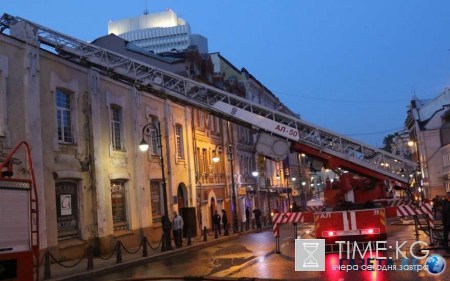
212	210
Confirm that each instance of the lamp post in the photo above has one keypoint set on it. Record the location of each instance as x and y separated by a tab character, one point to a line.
256	174
302	196
233	189
143	146
293	187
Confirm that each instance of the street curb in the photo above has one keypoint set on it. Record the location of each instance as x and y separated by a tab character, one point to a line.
98	272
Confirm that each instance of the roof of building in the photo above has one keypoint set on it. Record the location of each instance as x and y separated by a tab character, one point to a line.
115	43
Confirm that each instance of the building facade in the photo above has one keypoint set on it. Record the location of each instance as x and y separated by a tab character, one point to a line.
84	128
428	123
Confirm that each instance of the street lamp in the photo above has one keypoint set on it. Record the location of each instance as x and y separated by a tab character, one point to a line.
302	196
216	159
143	146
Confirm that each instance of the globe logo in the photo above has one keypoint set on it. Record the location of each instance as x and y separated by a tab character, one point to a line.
435	264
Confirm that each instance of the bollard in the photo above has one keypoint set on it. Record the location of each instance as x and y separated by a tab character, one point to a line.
242	226
119	252
90	263
205	232
144	247
163	242
47	272
189	242
295	230
216	233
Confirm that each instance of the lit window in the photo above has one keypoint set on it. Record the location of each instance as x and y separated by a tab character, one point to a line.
63	117
116	128
156	198
118	204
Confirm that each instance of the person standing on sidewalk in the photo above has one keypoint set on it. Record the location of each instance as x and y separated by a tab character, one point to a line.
225	221
247	218
177	223
216	222
257	213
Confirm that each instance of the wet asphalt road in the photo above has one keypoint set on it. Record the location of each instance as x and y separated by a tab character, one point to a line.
254	256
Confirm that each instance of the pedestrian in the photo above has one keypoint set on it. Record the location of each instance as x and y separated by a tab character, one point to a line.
436	205
216	222
295	207
446	219
225	221
177	223
257	213
247	218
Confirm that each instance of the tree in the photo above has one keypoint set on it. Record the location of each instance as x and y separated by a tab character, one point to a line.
387	141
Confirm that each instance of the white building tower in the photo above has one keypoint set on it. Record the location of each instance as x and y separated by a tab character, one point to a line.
159	32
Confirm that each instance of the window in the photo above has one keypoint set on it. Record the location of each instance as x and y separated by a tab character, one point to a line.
118	205
197	161
205	161
155	193
201	119
446	159
155	150
212	123
63	116
179	140
116	127
66	208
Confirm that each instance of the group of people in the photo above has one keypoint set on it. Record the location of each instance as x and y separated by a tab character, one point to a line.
441	208
217	219
257	214
178	223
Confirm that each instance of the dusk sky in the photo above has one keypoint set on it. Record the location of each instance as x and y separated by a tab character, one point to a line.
347	66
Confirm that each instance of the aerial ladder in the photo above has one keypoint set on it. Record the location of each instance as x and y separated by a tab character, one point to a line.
278	133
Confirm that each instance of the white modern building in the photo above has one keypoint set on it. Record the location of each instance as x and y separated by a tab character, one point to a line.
158	33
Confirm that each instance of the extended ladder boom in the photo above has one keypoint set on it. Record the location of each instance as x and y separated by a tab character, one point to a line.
226	105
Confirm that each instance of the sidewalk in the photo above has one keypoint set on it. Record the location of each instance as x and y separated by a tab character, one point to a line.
101	266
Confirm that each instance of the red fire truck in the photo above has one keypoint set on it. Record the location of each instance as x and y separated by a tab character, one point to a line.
19	220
